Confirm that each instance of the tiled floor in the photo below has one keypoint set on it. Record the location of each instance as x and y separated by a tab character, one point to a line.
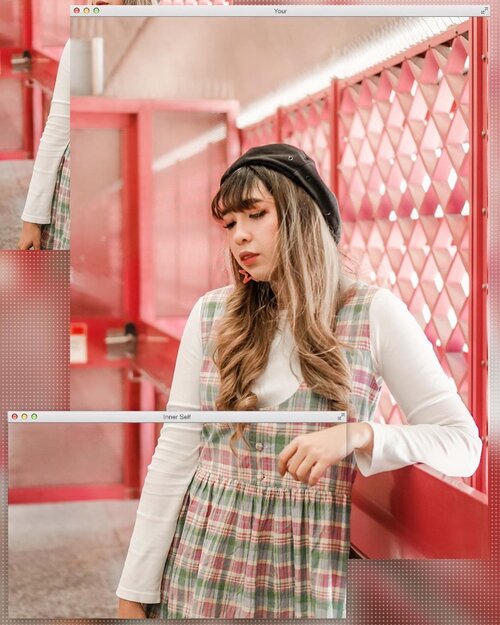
15	177
65	559
66	453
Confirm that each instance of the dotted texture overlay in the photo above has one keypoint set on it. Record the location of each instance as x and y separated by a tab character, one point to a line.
34	348
34	342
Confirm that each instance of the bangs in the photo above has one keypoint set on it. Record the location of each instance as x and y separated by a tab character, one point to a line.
238	193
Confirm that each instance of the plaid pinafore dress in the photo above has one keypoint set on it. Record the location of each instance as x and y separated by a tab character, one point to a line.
55	236
248	542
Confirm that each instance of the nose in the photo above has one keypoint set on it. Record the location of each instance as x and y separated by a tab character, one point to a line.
241	233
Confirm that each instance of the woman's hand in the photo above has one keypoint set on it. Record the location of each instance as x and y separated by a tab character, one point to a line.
31	235
130	609
308	456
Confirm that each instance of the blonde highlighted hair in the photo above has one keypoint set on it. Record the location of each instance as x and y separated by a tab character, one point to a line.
308	285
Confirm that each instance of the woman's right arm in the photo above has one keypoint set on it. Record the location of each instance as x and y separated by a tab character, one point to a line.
169	474
173	465
53	143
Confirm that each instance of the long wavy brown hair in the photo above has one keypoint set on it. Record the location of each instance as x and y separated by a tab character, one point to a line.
308	283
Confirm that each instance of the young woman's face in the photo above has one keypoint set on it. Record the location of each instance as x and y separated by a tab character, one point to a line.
253	235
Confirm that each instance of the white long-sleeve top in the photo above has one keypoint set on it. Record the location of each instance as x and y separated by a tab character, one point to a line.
53	143
440	431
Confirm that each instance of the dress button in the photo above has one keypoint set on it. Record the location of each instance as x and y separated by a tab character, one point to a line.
261	476
259	446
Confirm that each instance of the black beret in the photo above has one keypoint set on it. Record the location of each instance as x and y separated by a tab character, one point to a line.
301	169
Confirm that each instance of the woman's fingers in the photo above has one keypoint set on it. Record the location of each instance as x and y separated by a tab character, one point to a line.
317	472
30	236
294	463
296	459
308	456
285	456
303	471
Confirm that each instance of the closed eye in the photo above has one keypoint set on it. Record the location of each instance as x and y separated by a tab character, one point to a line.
258	215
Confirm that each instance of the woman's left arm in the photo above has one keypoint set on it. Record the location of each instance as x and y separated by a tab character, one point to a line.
440	431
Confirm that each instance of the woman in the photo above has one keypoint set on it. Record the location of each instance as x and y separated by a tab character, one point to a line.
46	222
252	521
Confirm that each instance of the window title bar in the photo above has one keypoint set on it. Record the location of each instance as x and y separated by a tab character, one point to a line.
397	10
212	416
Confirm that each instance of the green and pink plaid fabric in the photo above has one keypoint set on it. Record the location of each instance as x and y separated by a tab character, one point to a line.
55	236
249	543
